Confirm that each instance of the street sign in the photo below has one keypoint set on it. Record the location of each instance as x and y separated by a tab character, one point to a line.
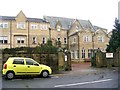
109	55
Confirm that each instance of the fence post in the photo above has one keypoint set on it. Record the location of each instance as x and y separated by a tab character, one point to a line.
61	60
99	59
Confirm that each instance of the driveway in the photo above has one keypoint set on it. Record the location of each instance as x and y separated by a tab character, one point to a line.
82	65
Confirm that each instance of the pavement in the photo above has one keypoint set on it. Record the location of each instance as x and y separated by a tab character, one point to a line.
84	68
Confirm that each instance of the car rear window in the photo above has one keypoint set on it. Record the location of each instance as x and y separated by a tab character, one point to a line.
18	61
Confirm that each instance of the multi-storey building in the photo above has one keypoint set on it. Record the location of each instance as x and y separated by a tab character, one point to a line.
80	35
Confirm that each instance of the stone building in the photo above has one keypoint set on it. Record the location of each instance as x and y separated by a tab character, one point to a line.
80	36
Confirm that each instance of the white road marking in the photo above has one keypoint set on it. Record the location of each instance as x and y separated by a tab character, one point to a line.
83	83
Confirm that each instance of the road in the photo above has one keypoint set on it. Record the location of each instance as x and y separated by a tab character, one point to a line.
85	78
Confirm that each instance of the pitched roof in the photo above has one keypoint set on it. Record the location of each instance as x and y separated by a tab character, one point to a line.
66	22
96	27
36	20
7	18
29	19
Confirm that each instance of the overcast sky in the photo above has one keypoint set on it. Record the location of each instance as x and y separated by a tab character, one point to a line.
100	12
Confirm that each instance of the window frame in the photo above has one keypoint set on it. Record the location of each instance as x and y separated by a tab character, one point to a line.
23	63
34	40
34	26
4	25
89	53
58	28
100	39
34	63
65	40
21	25
3	40
83	53
87	38
20	40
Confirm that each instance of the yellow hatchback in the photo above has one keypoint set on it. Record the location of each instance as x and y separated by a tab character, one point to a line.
24	66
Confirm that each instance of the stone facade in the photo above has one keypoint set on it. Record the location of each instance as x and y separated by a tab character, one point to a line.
81	35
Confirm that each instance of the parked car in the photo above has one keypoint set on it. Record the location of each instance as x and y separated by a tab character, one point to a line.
15	66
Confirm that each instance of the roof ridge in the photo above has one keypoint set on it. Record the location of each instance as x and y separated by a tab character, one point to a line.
66	18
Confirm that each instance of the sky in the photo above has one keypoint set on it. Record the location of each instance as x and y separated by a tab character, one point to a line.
101	13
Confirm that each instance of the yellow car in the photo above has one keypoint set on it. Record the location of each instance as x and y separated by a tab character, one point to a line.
24	66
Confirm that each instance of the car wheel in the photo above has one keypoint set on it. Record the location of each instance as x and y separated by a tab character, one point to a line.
45	74
10	75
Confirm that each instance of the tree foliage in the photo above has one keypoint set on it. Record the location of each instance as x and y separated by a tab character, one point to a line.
47	48
42	48
114	42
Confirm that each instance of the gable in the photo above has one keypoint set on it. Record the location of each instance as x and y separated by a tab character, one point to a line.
21	17
100	32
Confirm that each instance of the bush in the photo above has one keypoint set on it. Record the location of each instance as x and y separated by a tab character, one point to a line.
43	48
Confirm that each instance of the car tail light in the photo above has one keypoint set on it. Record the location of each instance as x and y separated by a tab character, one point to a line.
5	66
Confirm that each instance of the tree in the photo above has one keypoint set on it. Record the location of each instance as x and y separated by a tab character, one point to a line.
114	42
47	48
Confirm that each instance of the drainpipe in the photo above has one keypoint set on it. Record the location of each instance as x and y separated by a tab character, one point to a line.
10	34
78	45
50	33
28	35
67	40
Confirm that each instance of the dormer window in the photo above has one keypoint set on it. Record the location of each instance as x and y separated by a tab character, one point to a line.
77	28
58	28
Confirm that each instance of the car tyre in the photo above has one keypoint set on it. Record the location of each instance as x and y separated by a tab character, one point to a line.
10	75
45	74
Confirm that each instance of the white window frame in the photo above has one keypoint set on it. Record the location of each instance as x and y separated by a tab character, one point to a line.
77	28
34	40
3	39
100	39
43	40
21	25
58	39
87	38
65	40
83	53
58	28
76	54
72	54
20	39
34	26
43	27
89	53
74	40
4	25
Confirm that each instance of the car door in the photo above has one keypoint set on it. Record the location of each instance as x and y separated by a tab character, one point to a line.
19	66
32	67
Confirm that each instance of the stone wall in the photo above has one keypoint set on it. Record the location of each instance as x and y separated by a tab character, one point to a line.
55	60
102	61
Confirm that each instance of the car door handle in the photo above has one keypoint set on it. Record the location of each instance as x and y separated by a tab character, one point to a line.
14	66
28	66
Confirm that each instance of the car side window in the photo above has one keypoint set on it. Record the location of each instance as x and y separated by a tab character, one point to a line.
30	62
18	61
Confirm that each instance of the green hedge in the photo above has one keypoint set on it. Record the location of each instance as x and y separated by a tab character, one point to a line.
43	48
